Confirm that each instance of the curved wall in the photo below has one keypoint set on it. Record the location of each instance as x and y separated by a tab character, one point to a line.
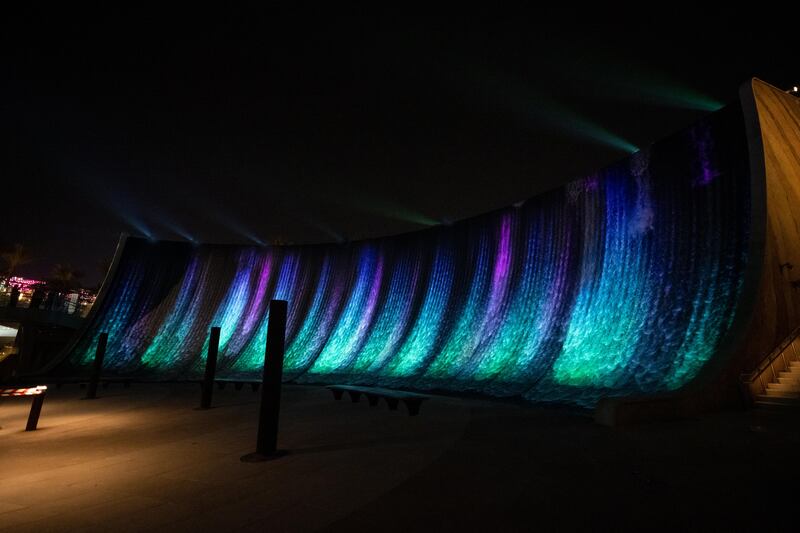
624	282
776	130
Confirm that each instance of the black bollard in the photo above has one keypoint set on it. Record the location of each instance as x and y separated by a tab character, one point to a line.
211	369
36	299
36	410
94	381
13	300
50	301
267	443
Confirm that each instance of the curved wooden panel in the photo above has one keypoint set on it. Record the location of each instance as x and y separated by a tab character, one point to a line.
776	312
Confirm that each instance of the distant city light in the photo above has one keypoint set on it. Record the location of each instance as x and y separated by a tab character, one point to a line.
72	300
24	283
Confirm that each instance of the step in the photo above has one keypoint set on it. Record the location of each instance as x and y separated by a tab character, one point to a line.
778	406
795	374
784	378
789	380
763	400
783	387
772	393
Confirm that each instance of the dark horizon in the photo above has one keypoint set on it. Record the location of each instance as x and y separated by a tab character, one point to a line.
257	129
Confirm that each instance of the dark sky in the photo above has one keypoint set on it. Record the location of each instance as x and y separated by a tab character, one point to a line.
243	127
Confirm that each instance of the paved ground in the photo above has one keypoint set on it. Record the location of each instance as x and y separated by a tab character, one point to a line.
143	459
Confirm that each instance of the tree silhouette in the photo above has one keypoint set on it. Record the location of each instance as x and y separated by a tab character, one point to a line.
13	257
65	277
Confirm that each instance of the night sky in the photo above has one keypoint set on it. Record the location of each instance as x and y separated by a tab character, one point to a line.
240	127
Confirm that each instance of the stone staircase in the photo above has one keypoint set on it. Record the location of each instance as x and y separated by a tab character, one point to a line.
784	390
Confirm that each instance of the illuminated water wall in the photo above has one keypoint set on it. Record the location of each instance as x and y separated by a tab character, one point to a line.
624	282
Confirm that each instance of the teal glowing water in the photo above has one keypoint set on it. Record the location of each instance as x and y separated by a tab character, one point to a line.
624	282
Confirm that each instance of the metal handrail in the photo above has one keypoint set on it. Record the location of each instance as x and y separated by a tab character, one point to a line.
774	354
768	363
